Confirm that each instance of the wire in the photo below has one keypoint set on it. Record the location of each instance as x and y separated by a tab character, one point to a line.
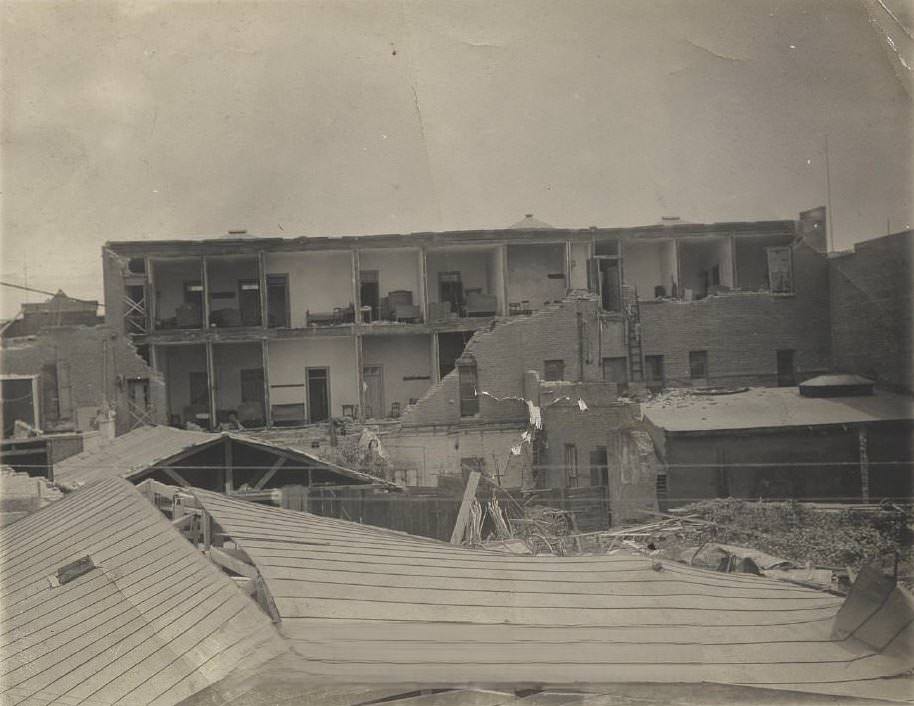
42	291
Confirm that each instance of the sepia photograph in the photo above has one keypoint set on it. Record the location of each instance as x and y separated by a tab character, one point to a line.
457	352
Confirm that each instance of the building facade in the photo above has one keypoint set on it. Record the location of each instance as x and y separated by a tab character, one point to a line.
280	332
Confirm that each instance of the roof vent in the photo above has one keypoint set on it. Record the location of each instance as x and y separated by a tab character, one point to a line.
670	220
238	232
837	386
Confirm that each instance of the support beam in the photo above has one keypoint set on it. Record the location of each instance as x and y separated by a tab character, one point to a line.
150	296
463	515
248	585
436	358
863	440
183	522
229	470
265	362
359	377
227	561
262	277
422	294
204	279
265	478
211	384
175	476
207	523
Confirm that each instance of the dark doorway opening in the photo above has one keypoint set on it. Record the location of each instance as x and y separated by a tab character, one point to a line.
318	394
450	289
450	348
787	372
370	291
278	301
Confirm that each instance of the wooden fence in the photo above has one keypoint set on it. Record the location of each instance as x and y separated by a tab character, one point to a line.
431	512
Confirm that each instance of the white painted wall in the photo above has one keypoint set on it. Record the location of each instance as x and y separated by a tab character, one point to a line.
400	356
437	453
648	264
229	359
168	277
289	360
476	267
696	255
222	275
580	253
318	281
398	269
176	363
528	267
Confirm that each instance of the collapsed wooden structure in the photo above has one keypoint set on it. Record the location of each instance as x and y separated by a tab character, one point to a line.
104	601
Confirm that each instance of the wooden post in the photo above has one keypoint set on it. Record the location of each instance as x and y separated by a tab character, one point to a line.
503	270
262	277
469	494
265	362
229	470
207	531
422	294
359	378
864	464
204	278
435	353
150	296
211	382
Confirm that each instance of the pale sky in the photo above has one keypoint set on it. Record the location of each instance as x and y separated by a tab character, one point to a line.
138	120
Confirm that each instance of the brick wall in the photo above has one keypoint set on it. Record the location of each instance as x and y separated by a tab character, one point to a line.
91	366
505	353
742	331
871	309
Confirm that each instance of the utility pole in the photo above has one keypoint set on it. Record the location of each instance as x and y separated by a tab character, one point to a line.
829	218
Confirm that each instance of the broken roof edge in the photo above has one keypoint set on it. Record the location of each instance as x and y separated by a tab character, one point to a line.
762	227
329	465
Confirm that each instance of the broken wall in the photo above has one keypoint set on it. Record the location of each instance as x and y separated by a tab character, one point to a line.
872	314
82	370
506	352
742	332
426	455
602	425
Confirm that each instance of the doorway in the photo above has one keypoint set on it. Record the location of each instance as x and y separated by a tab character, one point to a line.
787	372
318	394
373	375
370	291
450	290
278	301
616	370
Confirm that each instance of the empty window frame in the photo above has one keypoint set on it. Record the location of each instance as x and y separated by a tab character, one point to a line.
468	381
787	375
571	466
653	371
698	365
780	269
554	370
278	301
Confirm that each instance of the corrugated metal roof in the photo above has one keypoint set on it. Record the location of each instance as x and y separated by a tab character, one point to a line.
152	623
129	453
361	604
771	407
148	446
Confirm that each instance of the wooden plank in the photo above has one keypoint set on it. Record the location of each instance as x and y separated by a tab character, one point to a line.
176	477
227	561
265	478
229	470
469	493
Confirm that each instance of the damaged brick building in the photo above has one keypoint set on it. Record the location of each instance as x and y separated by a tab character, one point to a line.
294	331
65	371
